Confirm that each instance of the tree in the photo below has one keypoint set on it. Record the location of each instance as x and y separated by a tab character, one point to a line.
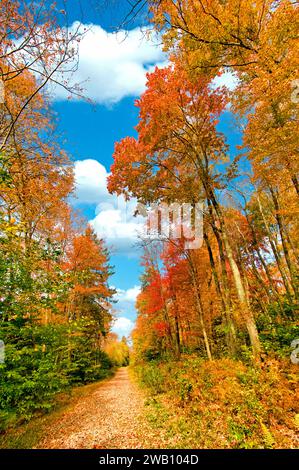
34	47
175	156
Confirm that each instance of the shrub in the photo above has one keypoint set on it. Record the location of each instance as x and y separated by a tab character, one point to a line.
41	361
226	403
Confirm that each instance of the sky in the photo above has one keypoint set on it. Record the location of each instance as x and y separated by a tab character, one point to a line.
112	70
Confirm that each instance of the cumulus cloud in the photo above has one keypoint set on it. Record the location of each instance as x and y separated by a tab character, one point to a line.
122	326
113	65
114	217
115	222
126	299
129	295
91	181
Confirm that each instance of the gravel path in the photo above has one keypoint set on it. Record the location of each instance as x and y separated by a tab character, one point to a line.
107	418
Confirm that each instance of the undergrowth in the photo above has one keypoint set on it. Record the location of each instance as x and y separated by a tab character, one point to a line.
222	403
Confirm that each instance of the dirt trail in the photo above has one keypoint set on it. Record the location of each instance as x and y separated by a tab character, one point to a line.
107	418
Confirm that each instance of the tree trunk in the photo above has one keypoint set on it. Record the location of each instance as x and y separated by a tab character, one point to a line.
275	251
200	309
284	242
246	312
225	302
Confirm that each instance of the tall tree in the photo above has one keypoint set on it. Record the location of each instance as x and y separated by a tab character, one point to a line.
175	156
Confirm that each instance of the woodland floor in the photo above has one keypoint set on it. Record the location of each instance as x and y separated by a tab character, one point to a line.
107	418
112	414
117	414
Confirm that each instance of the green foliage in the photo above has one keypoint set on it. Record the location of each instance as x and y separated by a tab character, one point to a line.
5	178
279	327
151	355
30	375
151	377
46	350
185	388
268	438
42	360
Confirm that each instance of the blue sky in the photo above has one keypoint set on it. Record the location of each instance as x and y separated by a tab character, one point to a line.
113	70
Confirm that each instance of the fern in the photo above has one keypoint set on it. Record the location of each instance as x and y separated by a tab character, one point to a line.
268	438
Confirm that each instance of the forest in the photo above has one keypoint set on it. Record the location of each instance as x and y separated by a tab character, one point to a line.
215	346
56	301
216	325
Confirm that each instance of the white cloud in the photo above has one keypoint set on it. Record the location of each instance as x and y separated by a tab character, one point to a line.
227	79
129	295
114	217
122	326
113	65
91	181
115	222
125	310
